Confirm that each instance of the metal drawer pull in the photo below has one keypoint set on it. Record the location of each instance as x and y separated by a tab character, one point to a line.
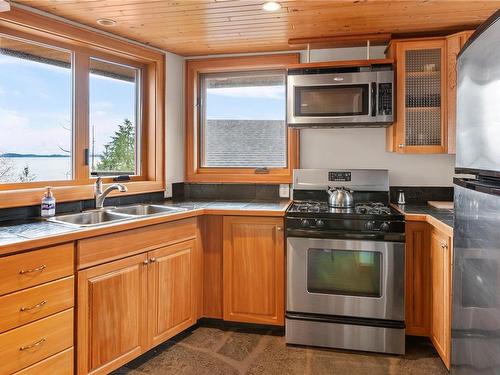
152	260
34	345
38	305
38	269
279	229
145	262
444	246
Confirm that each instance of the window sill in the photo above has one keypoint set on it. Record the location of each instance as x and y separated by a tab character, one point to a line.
241	176
33	196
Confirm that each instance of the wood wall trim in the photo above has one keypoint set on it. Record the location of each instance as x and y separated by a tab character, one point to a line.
195	173
83	44
19	19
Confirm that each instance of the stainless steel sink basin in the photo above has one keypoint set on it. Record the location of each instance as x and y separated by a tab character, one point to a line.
90	218
114	214
147	210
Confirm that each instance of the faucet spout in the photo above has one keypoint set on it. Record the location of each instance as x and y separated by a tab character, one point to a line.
101	195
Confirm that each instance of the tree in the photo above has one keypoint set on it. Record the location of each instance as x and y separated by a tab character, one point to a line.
26	175
6	169
119	153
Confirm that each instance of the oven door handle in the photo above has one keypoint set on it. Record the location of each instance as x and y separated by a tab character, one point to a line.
313	233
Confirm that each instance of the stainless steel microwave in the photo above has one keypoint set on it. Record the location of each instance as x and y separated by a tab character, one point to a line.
342	97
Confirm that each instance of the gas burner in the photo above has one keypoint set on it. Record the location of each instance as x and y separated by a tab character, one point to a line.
372	208
309	206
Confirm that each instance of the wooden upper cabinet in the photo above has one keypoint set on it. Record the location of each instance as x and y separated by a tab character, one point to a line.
418	279
253	269
112	308
454	44
441	294
420	125
172	291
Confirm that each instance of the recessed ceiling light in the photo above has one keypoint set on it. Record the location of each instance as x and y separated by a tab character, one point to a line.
106	22
4	6
271	6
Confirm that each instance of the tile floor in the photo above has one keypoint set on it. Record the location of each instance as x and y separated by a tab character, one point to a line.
214	351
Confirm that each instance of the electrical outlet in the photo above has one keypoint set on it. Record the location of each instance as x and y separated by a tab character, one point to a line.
284	191
168	191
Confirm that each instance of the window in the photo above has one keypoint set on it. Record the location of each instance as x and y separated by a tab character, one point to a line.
243	119
236	120
36	119
114	115
73	106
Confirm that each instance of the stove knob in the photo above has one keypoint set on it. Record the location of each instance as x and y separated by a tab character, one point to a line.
305	223
384	227
370	225
320	223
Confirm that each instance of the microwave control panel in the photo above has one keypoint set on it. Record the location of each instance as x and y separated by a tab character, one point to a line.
385	99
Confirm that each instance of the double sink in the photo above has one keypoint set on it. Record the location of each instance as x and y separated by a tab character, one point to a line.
110	215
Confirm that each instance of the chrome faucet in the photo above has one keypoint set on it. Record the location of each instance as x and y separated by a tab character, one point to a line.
100	195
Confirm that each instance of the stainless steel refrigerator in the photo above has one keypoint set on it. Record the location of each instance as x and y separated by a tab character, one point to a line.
476	258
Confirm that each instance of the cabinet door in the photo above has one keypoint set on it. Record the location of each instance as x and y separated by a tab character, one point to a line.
420	97
172	292
418	279
253	269
441	294
112	322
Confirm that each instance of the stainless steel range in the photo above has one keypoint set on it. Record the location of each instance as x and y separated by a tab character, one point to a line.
345	263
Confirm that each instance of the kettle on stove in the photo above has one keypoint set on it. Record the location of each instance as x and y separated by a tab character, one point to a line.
340	197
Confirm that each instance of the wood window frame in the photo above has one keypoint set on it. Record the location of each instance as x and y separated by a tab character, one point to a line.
85	44
194	171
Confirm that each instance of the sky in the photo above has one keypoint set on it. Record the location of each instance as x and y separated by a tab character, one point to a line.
35	107
260	103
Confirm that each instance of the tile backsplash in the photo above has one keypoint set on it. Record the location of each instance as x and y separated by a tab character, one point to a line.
422	194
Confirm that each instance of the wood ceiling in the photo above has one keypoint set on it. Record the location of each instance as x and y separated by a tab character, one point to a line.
202	27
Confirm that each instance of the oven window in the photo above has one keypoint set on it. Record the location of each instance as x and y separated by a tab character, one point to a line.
342	100
353	273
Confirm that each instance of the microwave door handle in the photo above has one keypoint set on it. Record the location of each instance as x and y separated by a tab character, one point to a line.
374	98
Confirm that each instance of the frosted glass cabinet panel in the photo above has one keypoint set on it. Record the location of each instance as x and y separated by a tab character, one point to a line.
420	125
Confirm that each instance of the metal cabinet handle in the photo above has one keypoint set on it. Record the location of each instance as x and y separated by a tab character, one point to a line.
38	305
145	262
37	269
34	345
401	145
444	246
279	229
152	260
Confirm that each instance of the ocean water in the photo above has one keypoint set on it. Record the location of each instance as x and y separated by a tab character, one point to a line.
43	169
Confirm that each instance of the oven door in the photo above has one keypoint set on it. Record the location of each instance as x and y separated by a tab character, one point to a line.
351	278
332	98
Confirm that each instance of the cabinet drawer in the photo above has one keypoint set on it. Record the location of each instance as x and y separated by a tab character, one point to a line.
33	342
59	364
97	250
36	267
37	302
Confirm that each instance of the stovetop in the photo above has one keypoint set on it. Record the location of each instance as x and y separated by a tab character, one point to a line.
312	208
365	220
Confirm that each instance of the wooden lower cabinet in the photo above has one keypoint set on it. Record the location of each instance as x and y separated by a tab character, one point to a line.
428	285
253	269
127	306
418	279
172	298
112	310
441	294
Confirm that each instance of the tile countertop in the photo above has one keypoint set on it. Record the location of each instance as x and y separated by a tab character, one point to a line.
445	216
21	233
